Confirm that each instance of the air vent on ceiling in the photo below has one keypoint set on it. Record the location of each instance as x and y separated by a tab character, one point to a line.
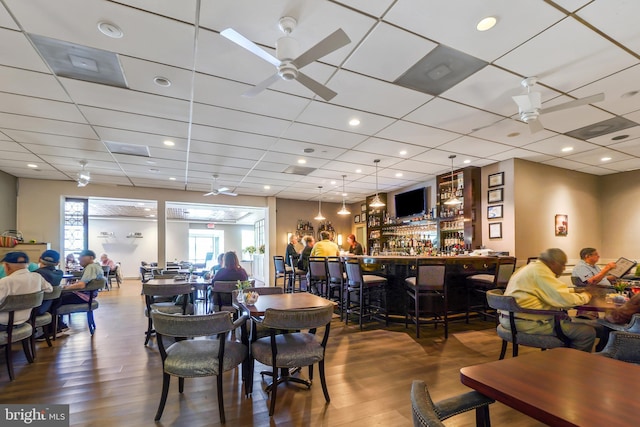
299	170
595	130
129	149
440	70
80	62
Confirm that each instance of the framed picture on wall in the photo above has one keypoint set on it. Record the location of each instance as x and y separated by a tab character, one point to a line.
496	179
495	230
494	211
356	219
562	225
494	196
363	207
363	217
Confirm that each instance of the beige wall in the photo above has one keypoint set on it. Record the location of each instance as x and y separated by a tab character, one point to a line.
541	192
8	190
618	213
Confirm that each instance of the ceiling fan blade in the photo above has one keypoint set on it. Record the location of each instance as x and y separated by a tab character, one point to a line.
528	102
222	189
228	193
333	41
210	193
261	86
575	103
244	42
535	126
316	87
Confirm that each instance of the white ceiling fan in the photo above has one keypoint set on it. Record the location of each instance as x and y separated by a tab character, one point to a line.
529	105
216	191
287	62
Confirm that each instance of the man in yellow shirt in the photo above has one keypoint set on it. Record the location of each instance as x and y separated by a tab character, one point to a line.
536	286
325	247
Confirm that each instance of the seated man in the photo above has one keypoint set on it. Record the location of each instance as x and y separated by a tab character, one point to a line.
91	271
536	286
48	262
588	273
303	261
19	281
325	247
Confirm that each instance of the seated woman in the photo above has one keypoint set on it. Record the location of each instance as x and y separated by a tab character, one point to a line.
231	270
91	271
355	248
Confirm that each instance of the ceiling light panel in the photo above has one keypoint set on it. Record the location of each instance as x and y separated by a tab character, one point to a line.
605	127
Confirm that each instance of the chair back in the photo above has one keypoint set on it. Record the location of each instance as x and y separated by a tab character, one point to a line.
94	285
317	267
105	270
266	290
186	326
170	290
335	269
354	271
430	272
422	406
55	294
21	302
304	318
278	264
223	293
623	346
504	271
575	281
498	301
293	261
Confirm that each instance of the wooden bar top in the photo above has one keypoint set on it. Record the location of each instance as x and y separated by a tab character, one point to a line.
562	387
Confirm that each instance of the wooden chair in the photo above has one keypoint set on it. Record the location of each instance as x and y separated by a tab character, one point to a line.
508	307
161	298
187	358
18	332
370	291
86	307
623	346
222	293
426	413
481	283
293	349
427	294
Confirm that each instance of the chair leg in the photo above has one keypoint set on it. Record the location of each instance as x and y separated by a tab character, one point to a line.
323	381
274	391
220	397
361	306
48	330
9	359
180	385
416	308
91	322
515	349
26	346
166	378
482	416
311	372
504	349
149	331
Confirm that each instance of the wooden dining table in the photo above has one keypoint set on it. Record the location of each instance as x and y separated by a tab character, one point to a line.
562	387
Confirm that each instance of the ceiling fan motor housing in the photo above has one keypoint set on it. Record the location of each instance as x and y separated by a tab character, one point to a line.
527	116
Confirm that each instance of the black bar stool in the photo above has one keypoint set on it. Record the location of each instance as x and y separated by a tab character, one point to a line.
371	292
429	284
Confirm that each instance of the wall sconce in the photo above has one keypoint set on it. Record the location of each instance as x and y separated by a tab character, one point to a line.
339	239
289	234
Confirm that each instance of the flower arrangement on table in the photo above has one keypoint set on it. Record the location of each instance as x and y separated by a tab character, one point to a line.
621	286
248	297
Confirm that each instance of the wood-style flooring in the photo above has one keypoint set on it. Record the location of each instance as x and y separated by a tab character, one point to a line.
112	379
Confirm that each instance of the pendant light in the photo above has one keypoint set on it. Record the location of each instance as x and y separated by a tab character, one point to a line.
320	217
344	210
452	200
376	202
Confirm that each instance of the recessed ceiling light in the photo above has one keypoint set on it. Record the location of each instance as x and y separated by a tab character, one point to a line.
267	187
605	159
171	178
486	23
513	134
333	183
358	170
466	162
629	94
110	30
399	175
354	122
169	143
403	152
344	194
154	170
140	204
302	161
619	137
151	216
567	149
32	165
162	81
308	150
147	209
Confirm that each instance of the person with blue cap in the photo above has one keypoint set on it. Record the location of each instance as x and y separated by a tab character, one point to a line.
48	264
90	272
19	281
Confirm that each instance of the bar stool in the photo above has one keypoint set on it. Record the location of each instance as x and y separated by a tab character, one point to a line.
337	281
281	270
481	283
371	291
296	273
317	276
428	284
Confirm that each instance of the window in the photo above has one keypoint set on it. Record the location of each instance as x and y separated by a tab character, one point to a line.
76	225
248	239
203	243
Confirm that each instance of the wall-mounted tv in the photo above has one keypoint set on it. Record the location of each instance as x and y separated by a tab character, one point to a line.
411	203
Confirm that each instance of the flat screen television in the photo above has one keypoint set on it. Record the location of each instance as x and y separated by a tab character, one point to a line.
411	203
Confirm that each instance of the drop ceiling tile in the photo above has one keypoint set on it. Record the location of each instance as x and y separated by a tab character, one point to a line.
554	145
441	157
473	146
138	138
222	161
565	164
451	116
231	137
617	89
572	5
31	83
238	120
120	120
321	135
376	8
573	118
379	56
172	44
362	158
631	147
520	153
594	170
297	148
140	75
512	132
594	157
573	56
278	176
454	23
421	167
17	52
215	149
125	161
624	165
56	127
417	134
183	11
291	160
11	146
366	94
35	142
29	106
10	168
608	139
387	147
353	169
6	21
334	117
618	22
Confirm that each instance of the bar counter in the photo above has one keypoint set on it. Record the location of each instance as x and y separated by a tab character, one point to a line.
397	268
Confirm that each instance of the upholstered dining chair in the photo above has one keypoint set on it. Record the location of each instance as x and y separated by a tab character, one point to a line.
281	270
507	306
20	332
623	346
45	320
86	307
295	348
428	286
296	274
222	293
337	282
160	298
369	290
633	326
318	283
192	358
480	283
426	413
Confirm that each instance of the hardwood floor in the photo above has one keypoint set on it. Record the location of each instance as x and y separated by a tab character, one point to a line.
112	379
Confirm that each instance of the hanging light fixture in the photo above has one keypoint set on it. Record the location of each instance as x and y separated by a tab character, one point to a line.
452	200
320	217
344	210
376	202
84	176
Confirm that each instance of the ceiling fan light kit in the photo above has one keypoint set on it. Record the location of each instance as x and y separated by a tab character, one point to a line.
215	190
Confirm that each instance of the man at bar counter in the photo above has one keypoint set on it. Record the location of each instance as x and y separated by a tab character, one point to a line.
536	286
